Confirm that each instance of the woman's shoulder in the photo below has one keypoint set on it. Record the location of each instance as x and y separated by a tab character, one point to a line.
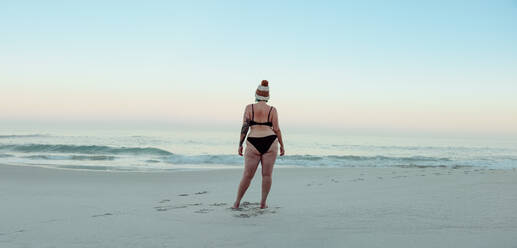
247	108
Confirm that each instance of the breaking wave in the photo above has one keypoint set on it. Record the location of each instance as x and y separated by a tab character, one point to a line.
82	149
312	160
22	136
71	157
96	157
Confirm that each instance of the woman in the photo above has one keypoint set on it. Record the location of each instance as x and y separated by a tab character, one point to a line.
262	143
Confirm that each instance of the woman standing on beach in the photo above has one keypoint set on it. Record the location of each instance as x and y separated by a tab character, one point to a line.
262	143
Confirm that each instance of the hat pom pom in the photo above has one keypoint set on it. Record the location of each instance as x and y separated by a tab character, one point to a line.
264	83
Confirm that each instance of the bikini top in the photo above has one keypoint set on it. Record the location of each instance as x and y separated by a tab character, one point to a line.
268	123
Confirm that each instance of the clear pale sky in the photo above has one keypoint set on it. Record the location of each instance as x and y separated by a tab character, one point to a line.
430	66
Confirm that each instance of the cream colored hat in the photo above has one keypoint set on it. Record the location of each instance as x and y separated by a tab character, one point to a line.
262	92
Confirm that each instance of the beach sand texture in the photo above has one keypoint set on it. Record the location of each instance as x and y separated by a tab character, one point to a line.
340	207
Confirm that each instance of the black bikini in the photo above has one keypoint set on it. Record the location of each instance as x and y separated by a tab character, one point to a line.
262	143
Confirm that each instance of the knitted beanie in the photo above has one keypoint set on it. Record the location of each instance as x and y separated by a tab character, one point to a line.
262	92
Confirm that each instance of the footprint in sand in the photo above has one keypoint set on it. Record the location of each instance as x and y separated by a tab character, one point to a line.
254	213
334	180
51	220
164	201
357	179
17	231
311	183
242	215
170	207
218	204
203	211
100	215
200	211
197	193
249	204
167	208
248	209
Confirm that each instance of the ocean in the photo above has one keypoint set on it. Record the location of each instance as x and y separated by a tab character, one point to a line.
170	149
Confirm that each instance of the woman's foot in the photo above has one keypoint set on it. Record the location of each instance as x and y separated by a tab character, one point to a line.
263	205
236	205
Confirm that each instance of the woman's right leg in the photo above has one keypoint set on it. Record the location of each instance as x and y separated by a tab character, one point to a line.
268	161
251	161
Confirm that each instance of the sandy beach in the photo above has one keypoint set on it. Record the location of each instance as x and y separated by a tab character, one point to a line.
342	207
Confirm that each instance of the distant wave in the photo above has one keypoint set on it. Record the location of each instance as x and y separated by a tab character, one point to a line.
71	157
312	160
352	160
150	158
5	155
204	159
22	136
220	159
93	149
363	158
92	167
421	148
349	161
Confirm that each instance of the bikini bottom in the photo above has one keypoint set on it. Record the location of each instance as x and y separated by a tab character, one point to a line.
262	143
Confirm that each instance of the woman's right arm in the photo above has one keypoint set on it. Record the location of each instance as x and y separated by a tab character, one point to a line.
276	129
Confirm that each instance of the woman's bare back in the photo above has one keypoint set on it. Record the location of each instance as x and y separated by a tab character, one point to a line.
259	113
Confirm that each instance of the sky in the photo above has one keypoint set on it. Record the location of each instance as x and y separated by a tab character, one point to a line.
415	66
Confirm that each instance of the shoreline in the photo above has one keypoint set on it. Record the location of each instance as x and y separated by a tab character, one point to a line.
308	207
281	167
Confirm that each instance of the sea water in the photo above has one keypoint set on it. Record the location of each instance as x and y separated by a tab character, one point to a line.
169	149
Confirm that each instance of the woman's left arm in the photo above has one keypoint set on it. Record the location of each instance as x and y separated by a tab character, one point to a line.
244	129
